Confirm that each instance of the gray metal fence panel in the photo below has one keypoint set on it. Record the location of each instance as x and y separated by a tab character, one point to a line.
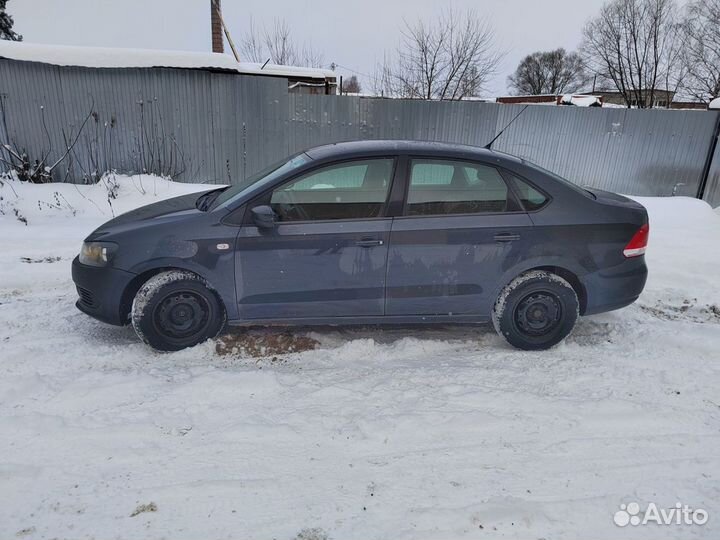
637	152
712	188
216	127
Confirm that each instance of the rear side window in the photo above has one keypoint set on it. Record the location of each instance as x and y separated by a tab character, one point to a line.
440	187
530	197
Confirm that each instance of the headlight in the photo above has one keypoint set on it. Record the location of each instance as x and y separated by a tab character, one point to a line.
97	253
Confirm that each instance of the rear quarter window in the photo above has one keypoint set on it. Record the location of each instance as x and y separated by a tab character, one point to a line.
531	198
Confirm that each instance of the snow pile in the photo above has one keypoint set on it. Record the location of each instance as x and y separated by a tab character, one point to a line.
105	57
114	194
581	101
50	221
682	256
396	433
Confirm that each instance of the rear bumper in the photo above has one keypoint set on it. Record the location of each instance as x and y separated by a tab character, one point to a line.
100	292
616	287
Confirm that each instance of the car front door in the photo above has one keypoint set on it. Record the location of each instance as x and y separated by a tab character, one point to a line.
460	227
326	254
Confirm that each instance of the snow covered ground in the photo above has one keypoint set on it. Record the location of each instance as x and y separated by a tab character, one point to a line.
372	434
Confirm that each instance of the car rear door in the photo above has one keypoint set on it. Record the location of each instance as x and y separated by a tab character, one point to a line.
327	254
460	227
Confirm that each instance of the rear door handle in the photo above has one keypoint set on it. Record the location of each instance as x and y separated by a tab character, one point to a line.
506	237
369	242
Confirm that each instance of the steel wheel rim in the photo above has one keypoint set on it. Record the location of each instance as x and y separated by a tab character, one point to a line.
182	315
538	314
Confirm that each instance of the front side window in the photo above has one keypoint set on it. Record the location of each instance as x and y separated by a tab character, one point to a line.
265	176
439	187
349	190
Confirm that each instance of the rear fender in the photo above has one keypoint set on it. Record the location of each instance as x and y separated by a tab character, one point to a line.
568	265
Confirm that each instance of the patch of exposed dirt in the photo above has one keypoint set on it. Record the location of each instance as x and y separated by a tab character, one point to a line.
588	332
263	343
30	260
142	508
687	310
714	310
312	534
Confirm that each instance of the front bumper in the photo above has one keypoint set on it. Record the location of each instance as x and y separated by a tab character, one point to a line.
102	292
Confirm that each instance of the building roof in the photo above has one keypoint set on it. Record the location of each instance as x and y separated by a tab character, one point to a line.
103	57
618	93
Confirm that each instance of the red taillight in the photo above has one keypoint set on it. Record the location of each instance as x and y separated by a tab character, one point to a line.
638	243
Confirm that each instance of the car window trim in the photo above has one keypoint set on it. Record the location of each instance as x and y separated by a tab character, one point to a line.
508	174
520	209
264	197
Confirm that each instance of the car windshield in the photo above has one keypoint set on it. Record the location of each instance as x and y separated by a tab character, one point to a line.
265	176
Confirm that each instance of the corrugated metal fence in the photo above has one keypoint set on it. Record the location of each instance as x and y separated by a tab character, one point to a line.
215	127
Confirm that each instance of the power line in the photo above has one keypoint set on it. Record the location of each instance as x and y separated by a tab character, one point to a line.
355	71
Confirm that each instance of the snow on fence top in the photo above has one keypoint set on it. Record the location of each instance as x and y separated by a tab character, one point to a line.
103	57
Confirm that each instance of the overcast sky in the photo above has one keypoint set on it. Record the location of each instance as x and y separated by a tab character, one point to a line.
353	34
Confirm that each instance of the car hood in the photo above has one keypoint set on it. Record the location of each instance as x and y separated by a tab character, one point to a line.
168	209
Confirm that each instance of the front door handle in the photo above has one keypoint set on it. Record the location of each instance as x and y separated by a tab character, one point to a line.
506	237
369	242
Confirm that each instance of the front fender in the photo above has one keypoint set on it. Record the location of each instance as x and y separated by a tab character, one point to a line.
220	274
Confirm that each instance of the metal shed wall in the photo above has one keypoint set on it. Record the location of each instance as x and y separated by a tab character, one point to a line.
203	126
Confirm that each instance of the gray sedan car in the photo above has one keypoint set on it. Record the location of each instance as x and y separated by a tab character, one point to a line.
370	232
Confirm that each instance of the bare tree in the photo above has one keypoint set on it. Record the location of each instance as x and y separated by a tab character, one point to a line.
251	45
548	72
700	33
351	85
631	46
451	57
278	45
382	80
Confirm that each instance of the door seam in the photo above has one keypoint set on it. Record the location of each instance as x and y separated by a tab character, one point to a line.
387	268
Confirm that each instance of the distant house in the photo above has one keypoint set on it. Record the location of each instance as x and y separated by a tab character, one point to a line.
300	79
662	99
578	100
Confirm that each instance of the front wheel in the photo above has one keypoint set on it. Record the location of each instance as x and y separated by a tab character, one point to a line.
536	311
176	309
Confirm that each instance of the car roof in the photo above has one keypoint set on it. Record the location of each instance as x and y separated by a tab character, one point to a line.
379	147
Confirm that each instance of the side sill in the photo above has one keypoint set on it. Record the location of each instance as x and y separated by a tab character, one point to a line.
366	320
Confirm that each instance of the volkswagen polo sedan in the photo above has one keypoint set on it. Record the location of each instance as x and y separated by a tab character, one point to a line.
370	232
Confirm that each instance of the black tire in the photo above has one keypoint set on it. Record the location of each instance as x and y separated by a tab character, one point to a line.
536	311
176	309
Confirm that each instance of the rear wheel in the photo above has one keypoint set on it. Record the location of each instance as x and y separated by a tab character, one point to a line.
176	309
536	311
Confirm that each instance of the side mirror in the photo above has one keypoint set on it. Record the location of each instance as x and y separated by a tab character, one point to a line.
264	217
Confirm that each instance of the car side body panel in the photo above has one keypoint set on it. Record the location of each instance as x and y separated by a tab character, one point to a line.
444	265
312	269
447	268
